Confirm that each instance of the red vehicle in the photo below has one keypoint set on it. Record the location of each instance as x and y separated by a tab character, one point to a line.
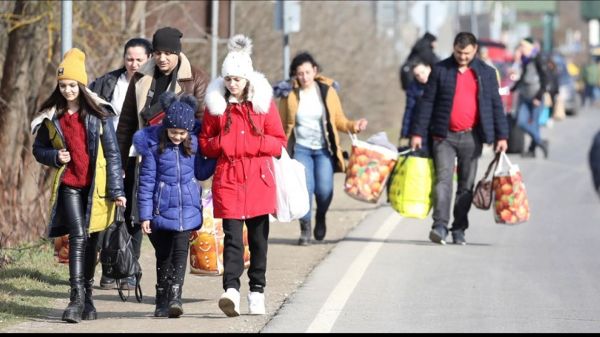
502	59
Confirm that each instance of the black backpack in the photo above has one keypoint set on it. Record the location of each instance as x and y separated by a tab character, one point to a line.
117	257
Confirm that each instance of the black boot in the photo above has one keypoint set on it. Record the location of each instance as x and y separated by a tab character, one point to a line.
89	310
175	306
320	227
305	228
162	301
74	310
544	147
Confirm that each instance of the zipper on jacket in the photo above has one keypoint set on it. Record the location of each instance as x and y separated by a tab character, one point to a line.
180	206
160	189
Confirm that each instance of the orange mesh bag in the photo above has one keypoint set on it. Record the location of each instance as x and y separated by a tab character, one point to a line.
61	248
368	170
206	244
510	203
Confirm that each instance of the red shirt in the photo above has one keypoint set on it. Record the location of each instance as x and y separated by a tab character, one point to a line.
465	111
78	173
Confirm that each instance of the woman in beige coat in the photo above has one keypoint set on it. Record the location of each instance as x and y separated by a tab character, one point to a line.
312	116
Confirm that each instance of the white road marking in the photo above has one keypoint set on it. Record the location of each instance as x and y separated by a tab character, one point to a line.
336	301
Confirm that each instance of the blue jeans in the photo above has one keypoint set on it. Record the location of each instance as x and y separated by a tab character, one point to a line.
528	119
465	148
319	177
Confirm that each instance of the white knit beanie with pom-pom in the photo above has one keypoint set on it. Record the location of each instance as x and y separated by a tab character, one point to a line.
238	62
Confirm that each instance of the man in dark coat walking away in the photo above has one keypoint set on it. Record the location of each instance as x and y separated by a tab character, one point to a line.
461	109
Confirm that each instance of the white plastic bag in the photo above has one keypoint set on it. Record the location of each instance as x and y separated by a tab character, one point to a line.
292	194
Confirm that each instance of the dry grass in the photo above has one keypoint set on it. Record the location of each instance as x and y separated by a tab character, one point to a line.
30	281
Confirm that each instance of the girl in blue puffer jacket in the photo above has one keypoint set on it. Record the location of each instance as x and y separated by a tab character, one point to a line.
169	195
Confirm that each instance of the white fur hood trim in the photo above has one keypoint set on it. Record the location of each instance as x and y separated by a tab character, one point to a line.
260	94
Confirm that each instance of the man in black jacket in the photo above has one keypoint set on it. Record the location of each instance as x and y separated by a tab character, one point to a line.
112	87
461	109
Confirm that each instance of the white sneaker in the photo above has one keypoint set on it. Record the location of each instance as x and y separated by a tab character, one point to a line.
256	303
229	302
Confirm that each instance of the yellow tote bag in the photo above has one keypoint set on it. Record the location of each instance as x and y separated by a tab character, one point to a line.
411	187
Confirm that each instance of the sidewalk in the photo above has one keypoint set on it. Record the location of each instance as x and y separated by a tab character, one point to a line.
288	267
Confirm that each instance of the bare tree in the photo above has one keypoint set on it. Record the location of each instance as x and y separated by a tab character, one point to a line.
22	202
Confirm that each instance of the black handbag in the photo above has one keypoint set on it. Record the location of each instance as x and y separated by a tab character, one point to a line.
117	255
483	193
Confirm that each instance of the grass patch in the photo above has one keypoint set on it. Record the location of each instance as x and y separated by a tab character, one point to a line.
31	279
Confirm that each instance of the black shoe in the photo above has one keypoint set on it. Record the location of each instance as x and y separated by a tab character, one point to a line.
438	234
303	241
458	238
528	154
544	147
305	227
74	311
161	301
89	310
107	283
320	227
175	307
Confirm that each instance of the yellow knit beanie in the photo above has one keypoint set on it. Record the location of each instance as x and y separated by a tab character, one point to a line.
72	67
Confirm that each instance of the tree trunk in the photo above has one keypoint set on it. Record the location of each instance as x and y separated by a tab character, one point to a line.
24	199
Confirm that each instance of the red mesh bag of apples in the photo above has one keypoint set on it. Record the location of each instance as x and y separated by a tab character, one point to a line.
511	205
368	169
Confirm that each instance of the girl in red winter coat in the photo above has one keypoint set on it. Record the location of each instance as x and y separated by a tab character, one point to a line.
242	129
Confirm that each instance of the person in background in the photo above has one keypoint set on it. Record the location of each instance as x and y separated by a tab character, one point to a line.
112	87
74	135
462	109
591	80
531	87
242	130
421	71
169	196
423	50
168	70
312	116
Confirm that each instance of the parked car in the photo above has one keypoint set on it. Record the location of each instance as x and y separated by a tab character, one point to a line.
567	86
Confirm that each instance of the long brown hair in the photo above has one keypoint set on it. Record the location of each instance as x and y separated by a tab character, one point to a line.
163	138
86	103
245	98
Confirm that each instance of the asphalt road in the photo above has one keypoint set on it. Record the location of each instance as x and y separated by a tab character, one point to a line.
378	272
538	276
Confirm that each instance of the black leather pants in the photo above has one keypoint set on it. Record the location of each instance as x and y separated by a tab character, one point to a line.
82	249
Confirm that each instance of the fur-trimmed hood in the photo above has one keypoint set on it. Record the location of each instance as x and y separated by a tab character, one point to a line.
260	94
49	113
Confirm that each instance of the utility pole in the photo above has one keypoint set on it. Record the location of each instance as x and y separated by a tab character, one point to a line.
66	26
474	27
214	38
287	20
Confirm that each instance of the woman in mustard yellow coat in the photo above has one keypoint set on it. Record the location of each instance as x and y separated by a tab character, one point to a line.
312	116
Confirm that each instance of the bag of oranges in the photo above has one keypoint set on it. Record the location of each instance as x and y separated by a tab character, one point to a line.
510	203
206	243
61	248
368	170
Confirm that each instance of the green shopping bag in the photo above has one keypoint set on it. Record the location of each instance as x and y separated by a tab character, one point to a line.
411	187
